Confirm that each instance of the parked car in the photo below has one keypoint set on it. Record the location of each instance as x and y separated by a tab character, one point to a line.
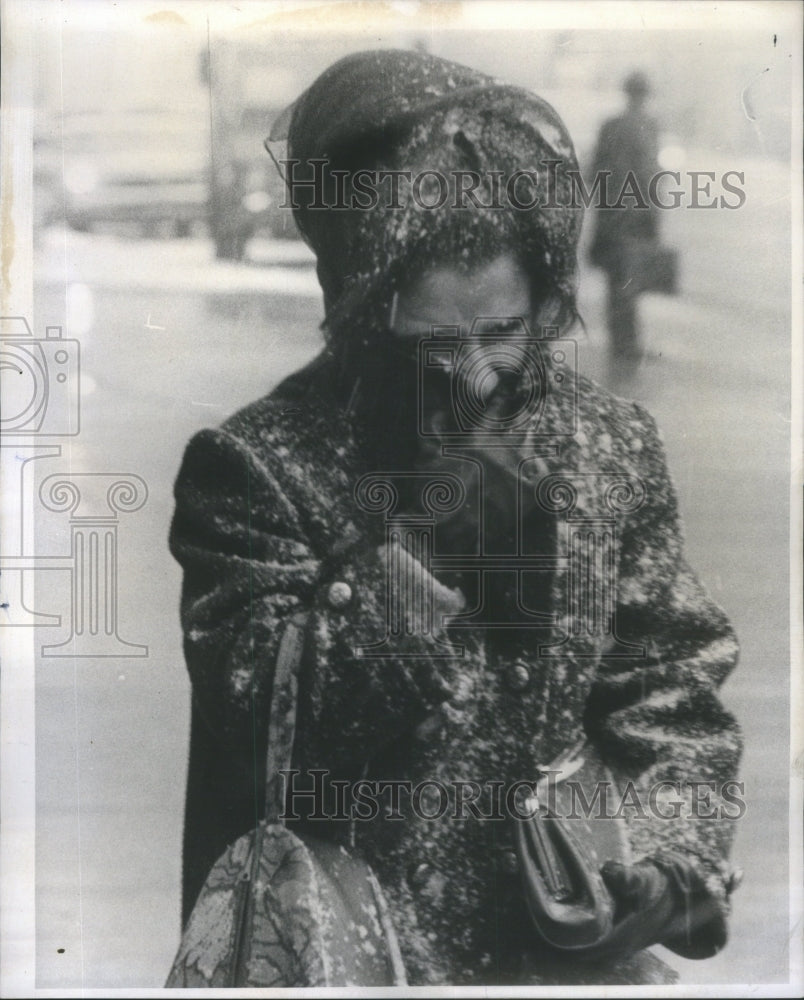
147	169
252	80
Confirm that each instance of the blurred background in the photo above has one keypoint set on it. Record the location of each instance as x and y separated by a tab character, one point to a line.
160	245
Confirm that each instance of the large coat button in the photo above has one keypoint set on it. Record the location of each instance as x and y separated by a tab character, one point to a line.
509	862
339	594
420	876
428	882
518	676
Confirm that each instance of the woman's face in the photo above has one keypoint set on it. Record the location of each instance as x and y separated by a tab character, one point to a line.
448	296
498	293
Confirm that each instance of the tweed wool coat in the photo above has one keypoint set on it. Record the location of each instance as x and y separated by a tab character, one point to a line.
267	521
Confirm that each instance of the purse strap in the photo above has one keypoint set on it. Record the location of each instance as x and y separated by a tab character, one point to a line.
282	716
278	757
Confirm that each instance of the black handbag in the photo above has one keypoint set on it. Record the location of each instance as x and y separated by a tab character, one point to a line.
283	910
560	851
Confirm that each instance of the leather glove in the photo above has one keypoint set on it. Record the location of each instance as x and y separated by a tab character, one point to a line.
612	913
644	905
413	422
505	499
659	902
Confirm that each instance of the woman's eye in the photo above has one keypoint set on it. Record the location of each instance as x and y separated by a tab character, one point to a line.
499	326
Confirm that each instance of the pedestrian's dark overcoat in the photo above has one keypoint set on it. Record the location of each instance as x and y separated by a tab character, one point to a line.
626	163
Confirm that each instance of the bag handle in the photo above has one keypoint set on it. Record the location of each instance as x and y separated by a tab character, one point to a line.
282	716
278	756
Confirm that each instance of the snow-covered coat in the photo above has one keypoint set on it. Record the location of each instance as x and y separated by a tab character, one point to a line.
268	519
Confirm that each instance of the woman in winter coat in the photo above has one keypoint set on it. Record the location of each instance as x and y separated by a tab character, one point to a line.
535	601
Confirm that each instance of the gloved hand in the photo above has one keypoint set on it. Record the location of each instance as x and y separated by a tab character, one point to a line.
495	510
645	905
415	419
661	902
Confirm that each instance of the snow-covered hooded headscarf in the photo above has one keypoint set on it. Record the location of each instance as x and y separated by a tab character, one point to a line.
405	110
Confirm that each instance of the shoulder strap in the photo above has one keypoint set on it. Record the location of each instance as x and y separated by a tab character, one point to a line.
282	717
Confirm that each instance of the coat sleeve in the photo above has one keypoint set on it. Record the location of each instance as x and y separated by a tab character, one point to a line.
248	566
658	719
